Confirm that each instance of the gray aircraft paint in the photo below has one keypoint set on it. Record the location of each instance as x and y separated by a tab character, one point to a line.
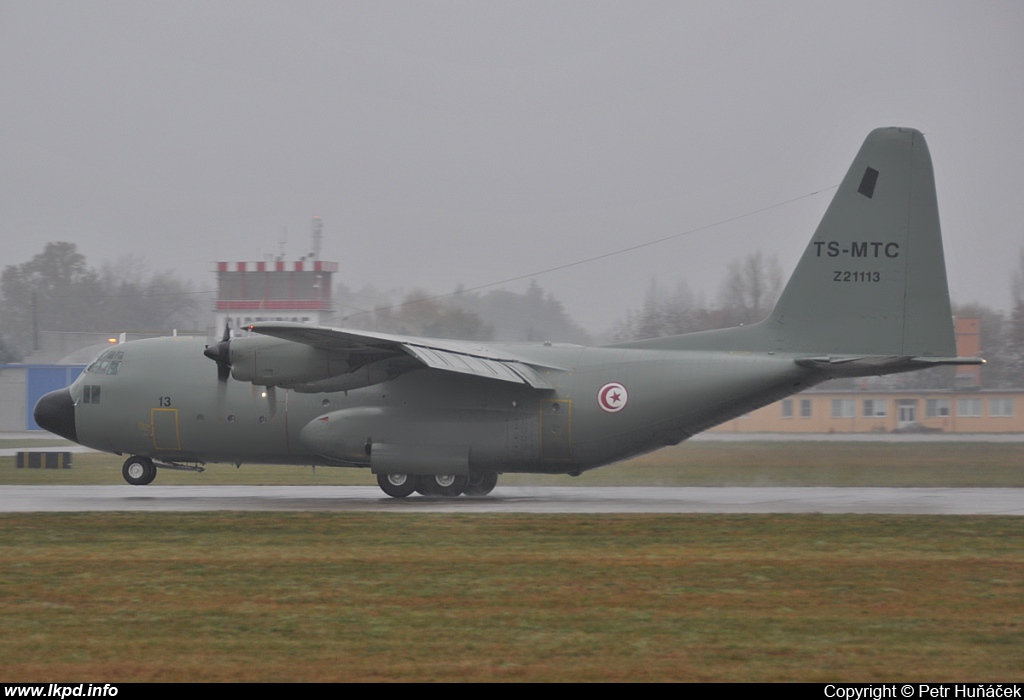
868	297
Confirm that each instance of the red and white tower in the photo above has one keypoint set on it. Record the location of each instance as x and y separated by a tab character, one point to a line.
275	290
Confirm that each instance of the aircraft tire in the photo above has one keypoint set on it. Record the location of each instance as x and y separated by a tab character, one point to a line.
446	485
396	485
481	484
426	486
450	485
138	471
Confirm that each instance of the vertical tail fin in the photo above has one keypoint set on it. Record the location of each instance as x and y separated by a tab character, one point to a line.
872	281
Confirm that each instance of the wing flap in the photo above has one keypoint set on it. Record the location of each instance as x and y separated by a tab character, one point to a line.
477	366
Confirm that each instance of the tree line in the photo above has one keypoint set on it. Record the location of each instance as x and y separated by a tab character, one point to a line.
753	285
498	315
57	291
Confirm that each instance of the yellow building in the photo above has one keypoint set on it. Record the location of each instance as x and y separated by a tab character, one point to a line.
965	409
865	411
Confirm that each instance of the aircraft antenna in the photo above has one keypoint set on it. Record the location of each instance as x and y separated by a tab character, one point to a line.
282	242
318	226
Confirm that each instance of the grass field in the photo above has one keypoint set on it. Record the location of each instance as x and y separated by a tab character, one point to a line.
328	597
398	596
950	464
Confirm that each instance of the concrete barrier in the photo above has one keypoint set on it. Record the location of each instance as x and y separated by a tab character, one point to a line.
49	460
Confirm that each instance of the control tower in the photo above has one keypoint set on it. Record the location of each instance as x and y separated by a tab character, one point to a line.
275	290
282	291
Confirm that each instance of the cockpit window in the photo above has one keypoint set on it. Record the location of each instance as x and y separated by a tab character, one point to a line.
91	393
107	363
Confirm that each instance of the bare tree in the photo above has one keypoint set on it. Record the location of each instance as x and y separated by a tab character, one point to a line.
751	288
1014	334
57	291
423	315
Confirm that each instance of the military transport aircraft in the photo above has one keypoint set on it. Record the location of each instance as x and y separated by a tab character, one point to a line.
445	417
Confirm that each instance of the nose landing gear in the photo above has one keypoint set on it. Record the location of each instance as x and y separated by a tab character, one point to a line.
138	471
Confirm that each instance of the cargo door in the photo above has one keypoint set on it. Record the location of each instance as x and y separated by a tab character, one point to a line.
165	428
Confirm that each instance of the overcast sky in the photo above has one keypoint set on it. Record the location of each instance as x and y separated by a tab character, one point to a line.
468	142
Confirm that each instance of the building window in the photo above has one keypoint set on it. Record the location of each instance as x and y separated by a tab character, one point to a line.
843	408
787	408
968	408
1000	408
805	408
936	408
876	408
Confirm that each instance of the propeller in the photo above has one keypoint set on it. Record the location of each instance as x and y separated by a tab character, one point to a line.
272	400
221	354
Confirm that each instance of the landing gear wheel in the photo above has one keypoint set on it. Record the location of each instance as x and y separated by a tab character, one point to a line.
426	486
447	485
138	471
396	485
450	485
481	484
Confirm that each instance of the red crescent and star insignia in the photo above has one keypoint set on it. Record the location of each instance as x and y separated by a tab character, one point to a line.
612	397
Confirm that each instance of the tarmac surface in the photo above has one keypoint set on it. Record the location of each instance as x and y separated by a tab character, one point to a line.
538	499
59	444
519	499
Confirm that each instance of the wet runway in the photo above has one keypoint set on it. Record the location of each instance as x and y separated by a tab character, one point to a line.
524	499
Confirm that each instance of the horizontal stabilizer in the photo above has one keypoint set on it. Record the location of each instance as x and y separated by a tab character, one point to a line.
866	365
949	360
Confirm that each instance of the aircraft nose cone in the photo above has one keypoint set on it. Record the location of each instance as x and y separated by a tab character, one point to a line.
56	412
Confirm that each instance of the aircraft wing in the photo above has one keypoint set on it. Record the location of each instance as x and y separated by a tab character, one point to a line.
463	357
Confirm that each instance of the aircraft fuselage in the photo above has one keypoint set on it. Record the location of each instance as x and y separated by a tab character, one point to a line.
607	404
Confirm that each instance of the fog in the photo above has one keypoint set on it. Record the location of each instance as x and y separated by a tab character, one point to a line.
466	143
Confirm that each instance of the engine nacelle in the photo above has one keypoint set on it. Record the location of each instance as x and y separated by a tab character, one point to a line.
371	374
274	362
396	441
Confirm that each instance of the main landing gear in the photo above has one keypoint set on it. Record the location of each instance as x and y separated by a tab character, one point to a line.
481	484
396	485
444	485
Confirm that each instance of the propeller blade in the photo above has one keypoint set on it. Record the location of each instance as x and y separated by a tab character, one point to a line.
221	354
272	400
